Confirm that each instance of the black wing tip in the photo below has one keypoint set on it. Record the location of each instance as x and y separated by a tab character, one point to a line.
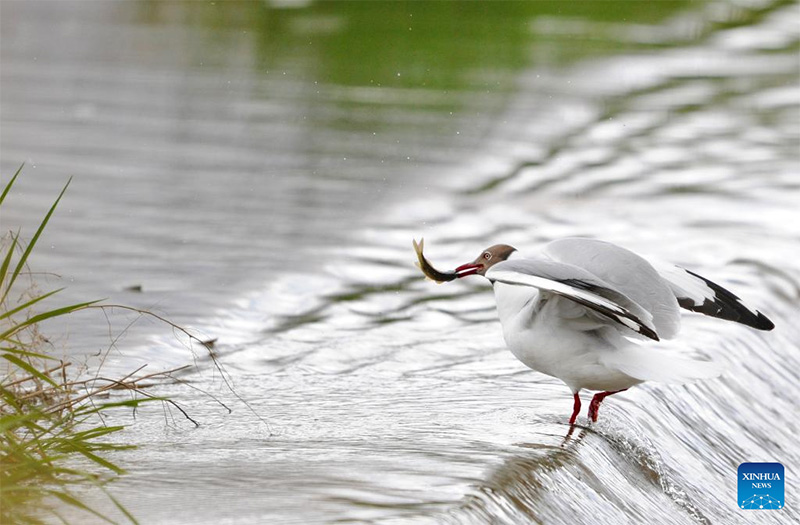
640	328
738	314
648	332
762	322
726	305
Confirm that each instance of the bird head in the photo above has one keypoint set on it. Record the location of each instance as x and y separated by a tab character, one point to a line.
489	256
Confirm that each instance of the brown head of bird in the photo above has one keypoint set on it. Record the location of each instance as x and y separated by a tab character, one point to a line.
489	257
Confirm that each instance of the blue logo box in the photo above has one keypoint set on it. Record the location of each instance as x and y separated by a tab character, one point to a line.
761	486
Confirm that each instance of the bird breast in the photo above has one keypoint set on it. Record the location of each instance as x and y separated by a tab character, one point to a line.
546	332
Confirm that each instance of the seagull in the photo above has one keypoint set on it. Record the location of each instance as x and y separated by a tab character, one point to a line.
581	309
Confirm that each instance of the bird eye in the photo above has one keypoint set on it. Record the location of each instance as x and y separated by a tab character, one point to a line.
487	256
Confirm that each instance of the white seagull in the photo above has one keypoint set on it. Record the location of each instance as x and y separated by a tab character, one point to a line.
575	312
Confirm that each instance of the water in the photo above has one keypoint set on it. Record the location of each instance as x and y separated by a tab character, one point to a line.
259	172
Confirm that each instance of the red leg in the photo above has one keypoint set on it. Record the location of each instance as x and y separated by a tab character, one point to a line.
576	408
598	398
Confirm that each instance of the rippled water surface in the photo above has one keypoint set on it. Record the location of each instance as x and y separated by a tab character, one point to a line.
257	171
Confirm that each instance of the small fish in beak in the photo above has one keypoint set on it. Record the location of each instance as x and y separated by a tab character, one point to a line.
428	269
495	254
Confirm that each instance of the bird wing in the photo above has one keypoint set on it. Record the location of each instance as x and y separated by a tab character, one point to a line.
625	272
578	285
698	294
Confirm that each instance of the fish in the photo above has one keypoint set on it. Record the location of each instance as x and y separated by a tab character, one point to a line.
428	269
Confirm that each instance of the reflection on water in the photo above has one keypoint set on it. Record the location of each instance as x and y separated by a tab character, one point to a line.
260	172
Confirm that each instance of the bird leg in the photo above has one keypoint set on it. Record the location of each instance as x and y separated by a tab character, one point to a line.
594	406
576	408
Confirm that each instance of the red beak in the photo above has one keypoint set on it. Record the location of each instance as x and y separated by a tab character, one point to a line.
468	269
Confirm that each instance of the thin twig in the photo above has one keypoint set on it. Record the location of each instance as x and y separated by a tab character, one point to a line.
209	394
191	337
151	396
114	340
93	393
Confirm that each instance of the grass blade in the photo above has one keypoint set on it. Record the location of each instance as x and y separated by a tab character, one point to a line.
7	259
28	368
29	303
29	248
71	500
11	183
97	432
44	316
121	507
75	445
26	353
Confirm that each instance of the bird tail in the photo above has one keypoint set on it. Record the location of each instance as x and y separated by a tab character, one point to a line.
647	364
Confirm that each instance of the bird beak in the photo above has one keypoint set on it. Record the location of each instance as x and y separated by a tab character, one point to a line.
468	269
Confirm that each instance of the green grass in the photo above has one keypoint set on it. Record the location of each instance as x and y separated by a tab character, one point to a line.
46	419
